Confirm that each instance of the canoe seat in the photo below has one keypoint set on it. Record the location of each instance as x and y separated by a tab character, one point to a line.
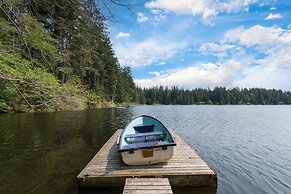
145	145
144	137
144	128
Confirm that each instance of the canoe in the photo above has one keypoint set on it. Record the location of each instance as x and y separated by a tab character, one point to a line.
145	140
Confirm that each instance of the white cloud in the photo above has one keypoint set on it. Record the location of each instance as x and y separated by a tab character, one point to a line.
262	37
155	73
273	8
273	16
162	63
147	52
141	18
158	14
204	75
122	35
215	49
202	8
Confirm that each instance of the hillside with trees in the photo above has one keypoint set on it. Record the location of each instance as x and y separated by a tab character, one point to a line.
57	55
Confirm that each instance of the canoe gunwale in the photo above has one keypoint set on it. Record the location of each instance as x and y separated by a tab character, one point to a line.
146	147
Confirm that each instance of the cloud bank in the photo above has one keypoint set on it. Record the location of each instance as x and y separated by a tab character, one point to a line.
205	9
147	52
246	57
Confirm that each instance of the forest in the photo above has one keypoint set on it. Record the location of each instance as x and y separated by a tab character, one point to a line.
57	55
216	96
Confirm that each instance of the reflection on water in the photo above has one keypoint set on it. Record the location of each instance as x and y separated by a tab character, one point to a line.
44	152
249	146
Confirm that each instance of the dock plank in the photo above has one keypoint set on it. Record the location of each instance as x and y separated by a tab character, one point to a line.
147	186
185	168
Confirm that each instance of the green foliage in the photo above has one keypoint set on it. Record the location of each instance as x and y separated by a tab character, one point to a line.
38	41
7	32
57	55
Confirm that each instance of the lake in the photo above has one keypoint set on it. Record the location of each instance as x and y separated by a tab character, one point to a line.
249	146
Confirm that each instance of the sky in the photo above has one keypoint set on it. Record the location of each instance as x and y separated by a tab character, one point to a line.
205	43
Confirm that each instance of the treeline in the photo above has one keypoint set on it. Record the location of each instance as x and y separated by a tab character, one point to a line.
218	95
57	55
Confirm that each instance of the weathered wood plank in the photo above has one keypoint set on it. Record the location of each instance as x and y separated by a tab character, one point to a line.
147	192
147	185
185	168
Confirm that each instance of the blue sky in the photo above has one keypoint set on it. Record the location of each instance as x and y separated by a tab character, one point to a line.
205	43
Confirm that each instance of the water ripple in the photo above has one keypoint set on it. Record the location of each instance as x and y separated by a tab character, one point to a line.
249	146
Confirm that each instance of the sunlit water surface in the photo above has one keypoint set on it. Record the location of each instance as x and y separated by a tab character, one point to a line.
249	146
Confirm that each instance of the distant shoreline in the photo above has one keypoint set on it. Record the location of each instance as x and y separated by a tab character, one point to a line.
118	106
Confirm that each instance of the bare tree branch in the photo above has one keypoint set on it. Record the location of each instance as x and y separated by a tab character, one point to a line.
27	102
16	26
108	4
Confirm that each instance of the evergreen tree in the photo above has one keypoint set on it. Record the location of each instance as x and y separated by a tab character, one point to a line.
69	40
217	96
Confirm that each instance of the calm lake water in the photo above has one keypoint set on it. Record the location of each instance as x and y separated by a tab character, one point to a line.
249	146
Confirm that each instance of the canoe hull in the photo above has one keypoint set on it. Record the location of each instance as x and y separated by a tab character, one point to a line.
148	156
145	140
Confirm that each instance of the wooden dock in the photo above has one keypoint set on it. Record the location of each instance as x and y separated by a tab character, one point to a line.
185	168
